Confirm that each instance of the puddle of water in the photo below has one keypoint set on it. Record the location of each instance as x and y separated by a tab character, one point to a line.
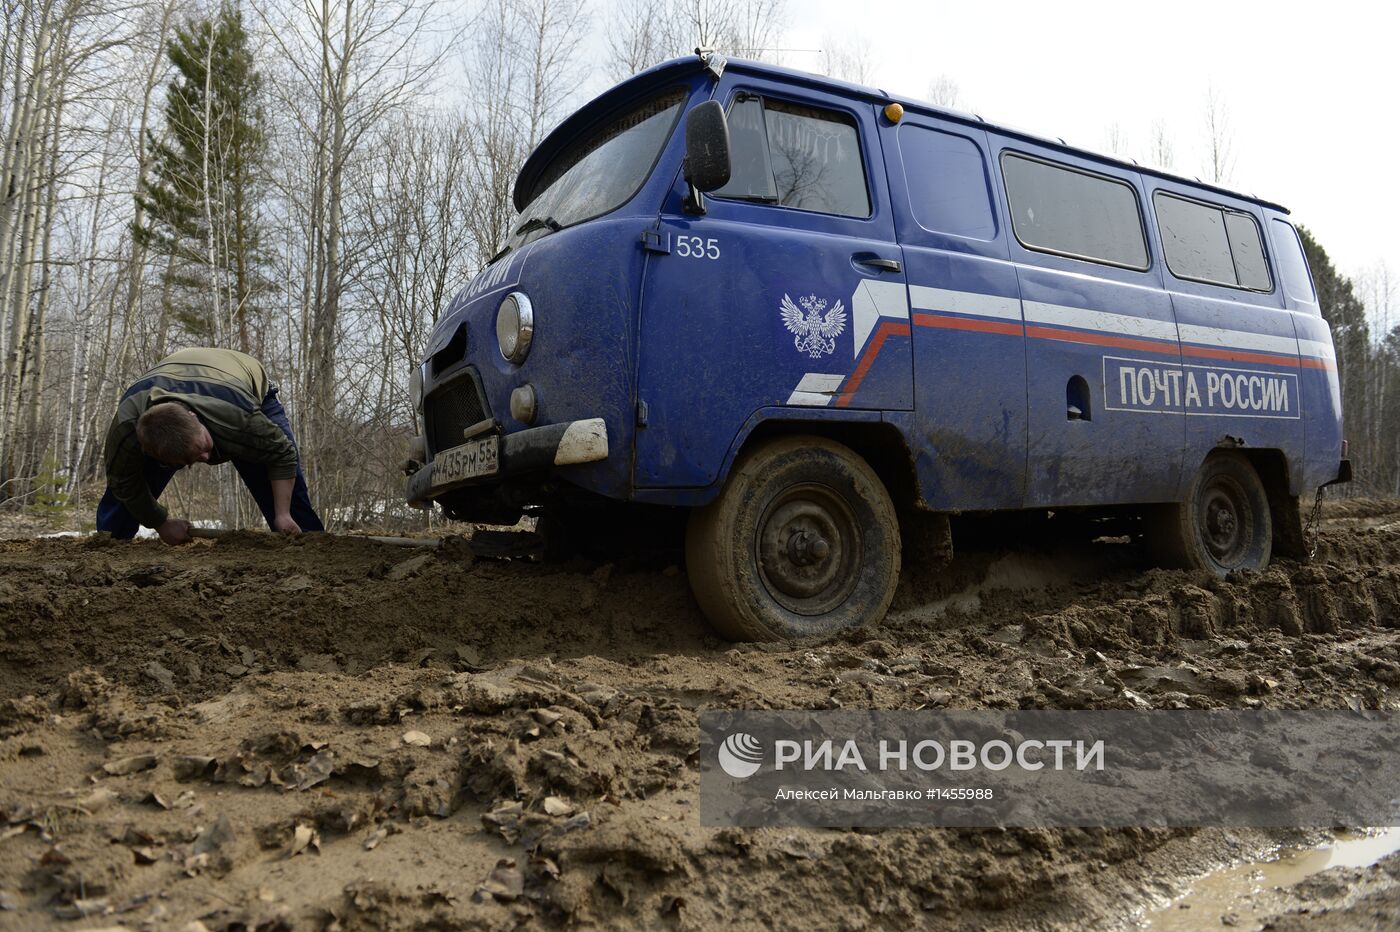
1234	889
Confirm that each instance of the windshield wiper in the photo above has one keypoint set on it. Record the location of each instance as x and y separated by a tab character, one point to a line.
539	223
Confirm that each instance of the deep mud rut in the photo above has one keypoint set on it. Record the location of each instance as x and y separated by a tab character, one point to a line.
335	733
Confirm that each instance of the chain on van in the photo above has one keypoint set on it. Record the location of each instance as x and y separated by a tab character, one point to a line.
815	320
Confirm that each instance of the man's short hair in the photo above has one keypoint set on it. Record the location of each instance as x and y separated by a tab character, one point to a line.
168	432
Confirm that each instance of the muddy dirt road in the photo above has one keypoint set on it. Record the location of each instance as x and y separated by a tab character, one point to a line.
329	733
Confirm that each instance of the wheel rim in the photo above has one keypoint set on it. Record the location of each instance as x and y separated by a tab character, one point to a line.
808	549
1225	522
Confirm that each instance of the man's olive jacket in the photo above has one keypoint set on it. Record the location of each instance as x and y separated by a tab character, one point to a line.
225	389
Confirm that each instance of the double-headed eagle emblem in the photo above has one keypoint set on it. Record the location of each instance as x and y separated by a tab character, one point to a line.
815	333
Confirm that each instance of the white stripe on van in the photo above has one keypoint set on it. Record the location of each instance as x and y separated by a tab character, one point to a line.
1085	319
815	389
1239	339
925	298
1318	349
875	299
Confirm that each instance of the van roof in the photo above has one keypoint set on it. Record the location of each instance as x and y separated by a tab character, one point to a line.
644	83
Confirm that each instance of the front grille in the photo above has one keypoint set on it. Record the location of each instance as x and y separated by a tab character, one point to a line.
452	353
451	409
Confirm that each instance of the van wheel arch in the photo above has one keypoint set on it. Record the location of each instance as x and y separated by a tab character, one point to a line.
1285	505
880	445
925	535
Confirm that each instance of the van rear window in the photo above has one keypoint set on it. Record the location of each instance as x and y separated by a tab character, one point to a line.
1293	266
1055	208
1206	243
795	156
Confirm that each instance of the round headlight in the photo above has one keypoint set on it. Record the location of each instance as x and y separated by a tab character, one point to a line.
515	327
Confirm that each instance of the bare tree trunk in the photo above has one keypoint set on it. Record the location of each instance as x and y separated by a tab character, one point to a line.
18	210
33	390
17	299
14	178
136	265
163	320
206	183
76	421
1219	138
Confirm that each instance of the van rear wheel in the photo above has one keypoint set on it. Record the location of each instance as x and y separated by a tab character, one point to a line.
803	541
1224	524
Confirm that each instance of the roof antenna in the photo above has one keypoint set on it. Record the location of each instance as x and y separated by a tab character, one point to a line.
714	62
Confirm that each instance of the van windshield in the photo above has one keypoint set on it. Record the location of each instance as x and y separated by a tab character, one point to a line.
601	172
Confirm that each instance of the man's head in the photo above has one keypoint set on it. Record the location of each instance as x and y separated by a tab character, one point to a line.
171	434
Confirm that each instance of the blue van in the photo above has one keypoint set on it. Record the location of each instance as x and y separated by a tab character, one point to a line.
810	313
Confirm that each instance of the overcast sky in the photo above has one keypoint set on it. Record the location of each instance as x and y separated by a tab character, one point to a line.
1310	91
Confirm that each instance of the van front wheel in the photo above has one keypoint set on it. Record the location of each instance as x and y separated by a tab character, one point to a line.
1223	525
803	541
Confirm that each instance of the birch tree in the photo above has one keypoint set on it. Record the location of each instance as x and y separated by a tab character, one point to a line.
849	59
523	59
641	34
48	46
943	91
1220	155
348	65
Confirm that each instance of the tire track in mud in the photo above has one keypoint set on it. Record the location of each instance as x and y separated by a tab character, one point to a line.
222	733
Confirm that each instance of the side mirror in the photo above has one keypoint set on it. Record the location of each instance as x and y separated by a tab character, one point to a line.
706	152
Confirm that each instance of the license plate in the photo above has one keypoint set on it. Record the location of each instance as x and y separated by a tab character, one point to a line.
473	458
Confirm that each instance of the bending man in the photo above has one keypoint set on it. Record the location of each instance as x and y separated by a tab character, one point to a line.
201	406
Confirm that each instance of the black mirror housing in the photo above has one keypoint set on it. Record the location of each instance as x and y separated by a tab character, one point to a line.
707	147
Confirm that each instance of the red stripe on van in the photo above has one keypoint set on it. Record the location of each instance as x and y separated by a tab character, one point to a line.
1234	355
872	349
1100	339
942	322
1103	339
967	323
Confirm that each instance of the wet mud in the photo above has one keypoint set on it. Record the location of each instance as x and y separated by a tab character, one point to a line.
336	733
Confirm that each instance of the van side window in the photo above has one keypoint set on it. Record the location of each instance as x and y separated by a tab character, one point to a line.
795	156
750	168
1293	266
1250	264
1206	243
1055	208
948	185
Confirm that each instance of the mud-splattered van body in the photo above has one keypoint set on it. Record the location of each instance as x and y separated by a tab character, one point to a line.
987	319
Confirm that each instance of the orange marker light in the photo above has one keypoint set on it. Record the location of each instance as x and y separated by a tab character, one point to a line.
894	112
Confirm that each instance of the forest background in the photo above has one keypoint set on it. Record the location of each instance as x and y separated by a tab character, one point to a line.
311	181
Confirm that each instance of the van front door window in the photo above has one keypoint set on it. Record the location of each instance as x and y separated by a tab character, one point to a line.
796	156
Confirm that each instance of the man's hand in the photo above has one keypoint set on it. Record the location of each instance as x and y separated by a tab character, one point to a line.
285	524
174	532
282	507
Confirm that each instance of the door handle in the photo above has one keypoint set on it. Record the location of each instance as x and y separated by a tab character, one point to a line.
875	262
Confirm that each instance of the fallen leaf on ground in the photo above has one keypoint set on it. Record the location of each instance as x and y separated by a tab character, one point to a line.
128	765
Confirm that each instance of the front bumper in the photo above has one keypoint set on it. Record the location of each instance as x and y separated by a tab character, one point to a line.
533	450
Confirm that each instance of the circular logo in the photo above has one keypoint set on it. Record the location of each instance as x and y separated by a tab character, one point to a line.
740	755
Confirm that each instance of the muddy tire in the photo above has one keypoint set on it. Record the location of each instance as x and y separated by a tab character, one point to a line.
1224	524
803	541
